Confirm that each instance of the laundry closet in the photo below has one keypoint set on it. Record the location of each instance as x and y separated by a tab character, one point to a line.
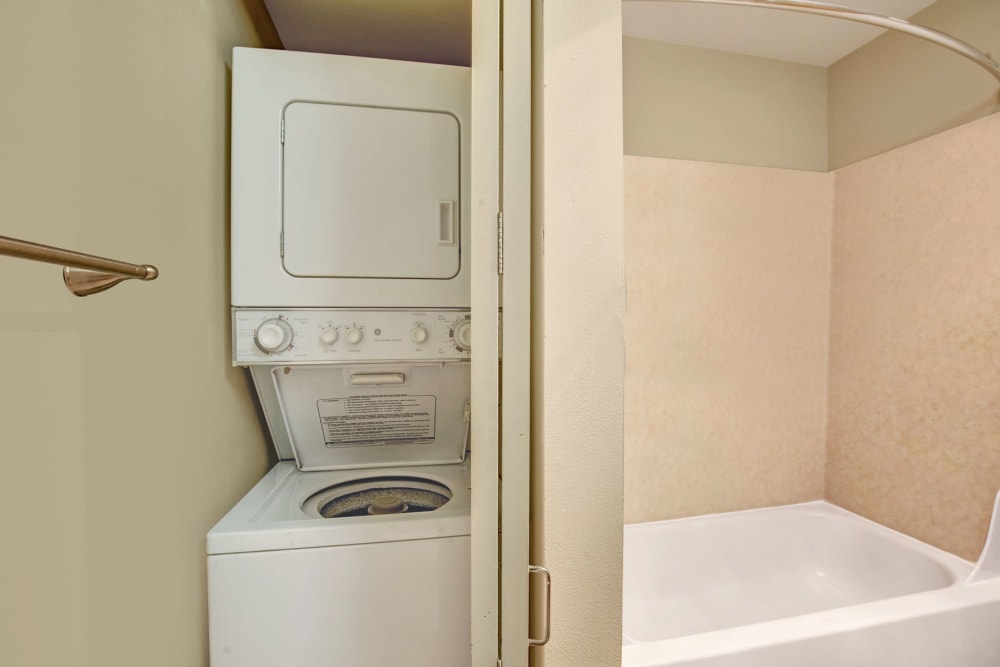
352	270
127	403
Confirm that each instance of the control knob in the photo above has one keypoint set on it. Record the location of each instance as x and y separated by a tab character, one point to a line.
461	334
328	336
274	335
354	335
418	334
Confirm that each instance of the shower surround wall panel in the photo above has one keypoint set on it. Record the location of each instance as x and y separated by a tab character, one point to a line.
726	321
914	393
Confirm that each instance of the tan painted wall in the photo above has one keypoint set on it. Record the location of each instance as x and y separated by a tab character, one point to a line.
698	104
727	319
126	432
899	89
915	338
578	353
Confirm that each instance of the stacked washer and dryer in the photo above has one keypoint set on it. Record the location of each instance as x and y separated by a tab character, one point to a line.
350	295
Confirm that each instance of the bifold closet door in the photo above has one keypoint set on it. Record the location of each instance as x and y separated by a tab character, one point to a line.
501	278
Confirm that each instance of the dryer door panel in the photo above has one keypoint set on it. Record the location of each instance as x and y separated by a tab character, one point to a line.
370	192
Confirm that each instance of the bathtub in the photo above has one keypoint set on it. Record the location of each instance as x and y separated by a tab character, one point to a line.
808	584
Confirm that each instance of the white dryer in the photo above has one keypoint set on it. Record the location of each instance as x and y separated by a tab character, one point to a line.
350	182
350	294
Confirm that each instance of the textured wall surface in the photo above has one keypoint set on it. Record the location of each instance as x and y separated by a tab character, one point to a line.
126	432
578	344
914	429
727	319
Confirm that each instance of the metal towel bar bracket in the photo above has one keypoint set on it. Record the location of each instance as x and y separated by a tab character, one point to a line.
83	274
859	16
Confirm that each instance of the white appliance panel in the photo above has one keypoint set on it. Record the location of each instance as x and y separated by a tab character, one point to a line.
370	192
418	264
270	517
397	603
374	415
334	335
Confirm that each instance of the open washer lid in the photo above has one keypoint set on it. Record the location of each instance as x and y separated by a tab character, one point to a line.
374	414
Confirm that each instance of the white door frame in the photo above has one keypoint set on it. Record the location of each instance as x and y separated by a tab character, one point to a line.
515	413
485	302
501	278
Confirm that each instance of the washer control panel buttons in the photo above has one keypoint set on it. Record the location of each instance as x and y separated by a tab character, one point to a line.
462	335
328	336
262	336
273	335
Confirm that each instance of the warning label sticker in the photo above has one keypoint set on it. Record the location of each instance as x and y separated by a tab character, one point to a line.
377	420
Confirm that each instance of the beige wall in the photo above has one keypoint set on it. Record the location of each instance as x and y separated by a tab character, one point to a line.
899	89
578	300
915	338
126	432
699	104
727	319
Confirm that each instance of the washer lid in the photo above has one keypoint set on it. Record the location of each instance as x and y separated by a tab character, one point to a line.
372	415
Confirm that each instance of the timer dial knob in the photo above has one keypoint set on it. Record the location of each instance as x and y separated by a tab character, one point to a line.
274	335
328	336
354	335
462	335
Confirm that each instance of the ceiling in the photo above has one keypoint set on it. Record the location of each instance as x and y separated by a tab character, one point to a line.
769	33
440	30
436	31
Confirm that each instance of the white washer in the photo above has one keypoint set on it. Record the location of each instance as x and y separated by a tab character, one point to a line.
289	589
354	550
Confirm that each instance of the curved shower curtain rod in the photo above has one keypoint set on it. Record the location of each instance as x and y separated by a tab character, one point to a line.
859	16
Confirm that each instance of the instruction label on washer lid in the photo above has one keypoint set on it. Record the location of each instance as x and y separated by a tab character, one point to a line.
355	421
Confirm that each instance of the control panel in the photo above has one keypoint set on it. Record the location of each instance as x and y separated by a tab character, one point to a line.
284	336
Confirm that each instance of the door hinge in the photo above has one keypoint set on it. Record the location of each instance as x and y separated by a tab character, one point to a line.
281	242
500	243
282	129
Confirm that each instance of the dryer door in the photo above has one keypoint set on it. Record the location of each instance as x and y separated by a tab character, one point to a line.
370	192
350	182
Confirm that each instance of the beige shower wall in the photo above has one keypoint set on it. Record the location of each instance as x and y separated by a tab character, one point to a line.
914	429
727	319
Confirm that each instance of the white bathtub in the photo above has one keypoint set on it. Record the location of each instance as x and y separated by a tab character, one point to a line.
808	584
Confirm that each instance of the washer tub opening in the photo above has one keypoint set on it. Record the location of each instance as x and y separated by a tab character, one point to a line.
376	496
